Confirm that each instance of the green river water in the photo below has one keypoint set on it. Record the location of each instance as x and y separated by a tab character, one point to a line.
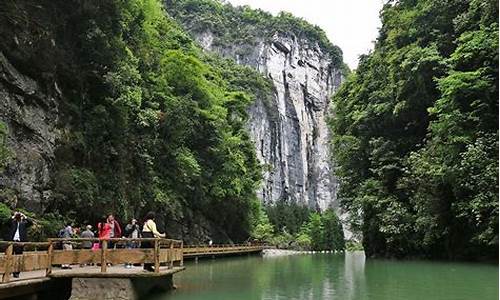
333	276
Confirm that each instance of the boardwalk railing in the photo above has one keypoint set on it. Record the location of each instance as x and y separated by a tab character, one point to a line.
201	250
44	255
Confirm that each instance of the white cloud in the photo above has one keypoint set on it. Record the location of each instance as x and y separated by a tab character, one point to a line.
350	24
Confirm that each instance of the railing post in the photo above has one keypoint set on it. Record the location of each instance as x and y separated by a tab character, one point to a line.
48	271
157	256
8	263
171	254
182	253
104	250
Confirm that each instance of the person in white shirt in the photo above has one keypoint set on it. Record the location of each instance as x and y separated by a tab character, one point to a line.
149	231
19	233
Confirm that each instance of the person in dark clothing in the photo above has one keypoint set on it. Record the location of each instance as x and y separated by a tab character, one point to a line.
132	231
19	233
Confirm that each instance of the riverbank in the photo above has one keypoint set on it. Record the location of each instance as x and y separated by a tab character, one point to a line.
280	252
285	252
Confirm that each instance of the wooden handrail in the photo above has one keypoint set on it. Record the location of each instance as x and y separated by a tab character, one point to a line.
24	243
114	240
44	260
172	251
222	245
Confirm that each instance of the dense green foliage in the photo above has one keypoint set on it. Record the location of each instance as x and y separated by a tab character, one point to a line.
149	122
243	25
288	217
324	232
416	132
291	225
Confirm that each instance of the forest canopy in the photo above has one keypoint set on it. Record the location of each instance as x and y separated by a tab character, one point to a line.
415	132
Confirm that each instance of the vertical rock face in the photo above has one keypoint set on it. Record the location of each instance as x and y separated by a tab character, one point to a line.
290	134
31	118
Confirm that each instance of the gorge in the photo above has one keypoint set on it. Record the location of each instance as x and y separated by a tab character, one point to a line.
289	131
234	124
50	120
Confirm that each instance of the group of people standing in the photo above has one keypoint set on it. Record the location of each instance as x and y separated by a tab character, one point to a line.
108	228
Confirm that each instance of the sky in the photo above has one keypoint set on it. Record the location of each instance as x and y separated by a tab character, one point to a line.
350	24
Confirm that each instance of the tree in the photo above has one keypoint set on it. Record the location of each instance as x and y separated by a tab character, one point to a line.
263	230
333	235
415	132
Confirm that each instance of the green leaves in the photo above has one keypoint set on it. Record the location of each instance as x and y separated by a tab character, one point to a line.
322	232
262	230
415	132
151	122
244	26
296	225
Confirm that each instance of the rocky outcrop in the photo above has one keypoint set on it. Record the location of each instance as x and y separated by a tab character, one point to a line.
31	117
290	134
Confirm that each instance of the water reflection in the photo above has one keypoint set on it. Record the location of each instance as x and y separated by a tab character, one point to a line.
354	273
325	276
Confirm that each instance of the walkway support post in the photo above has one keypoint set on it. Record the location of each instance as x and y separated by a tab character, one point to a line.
157	256
182	256
104	250
50	250
9	260
171	255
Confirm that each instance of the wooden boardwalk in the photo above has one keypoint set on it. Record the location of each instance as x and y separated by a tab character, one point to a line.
40	264
219	250
40	261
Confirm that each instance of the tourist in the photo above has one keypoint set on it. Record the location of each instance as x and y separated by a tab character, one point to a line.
76	231
87	244
19	233
115	229
104	229
87	234
67	245
132	231
149	231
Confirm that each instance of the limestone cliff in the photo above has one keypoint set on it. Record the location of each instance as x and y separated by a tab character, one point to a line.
290	134
31	117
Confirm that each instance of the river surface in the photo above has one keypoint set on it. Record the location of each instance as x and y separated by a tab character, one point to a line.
333	276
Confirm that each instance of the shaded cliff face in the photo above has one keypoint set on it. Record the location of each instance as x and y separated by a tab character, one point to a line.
31	117
290	133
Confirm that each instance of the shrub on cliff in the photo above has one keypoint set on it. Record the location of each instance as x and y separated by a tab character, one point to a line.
244	25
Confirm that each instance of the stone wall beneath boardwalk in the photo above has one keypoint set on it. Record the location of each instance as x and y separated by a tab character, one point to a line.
119	288
37	289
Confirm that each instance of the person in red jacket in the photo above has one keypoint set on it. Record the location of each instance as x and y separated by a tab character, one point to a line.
109	228
104	229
